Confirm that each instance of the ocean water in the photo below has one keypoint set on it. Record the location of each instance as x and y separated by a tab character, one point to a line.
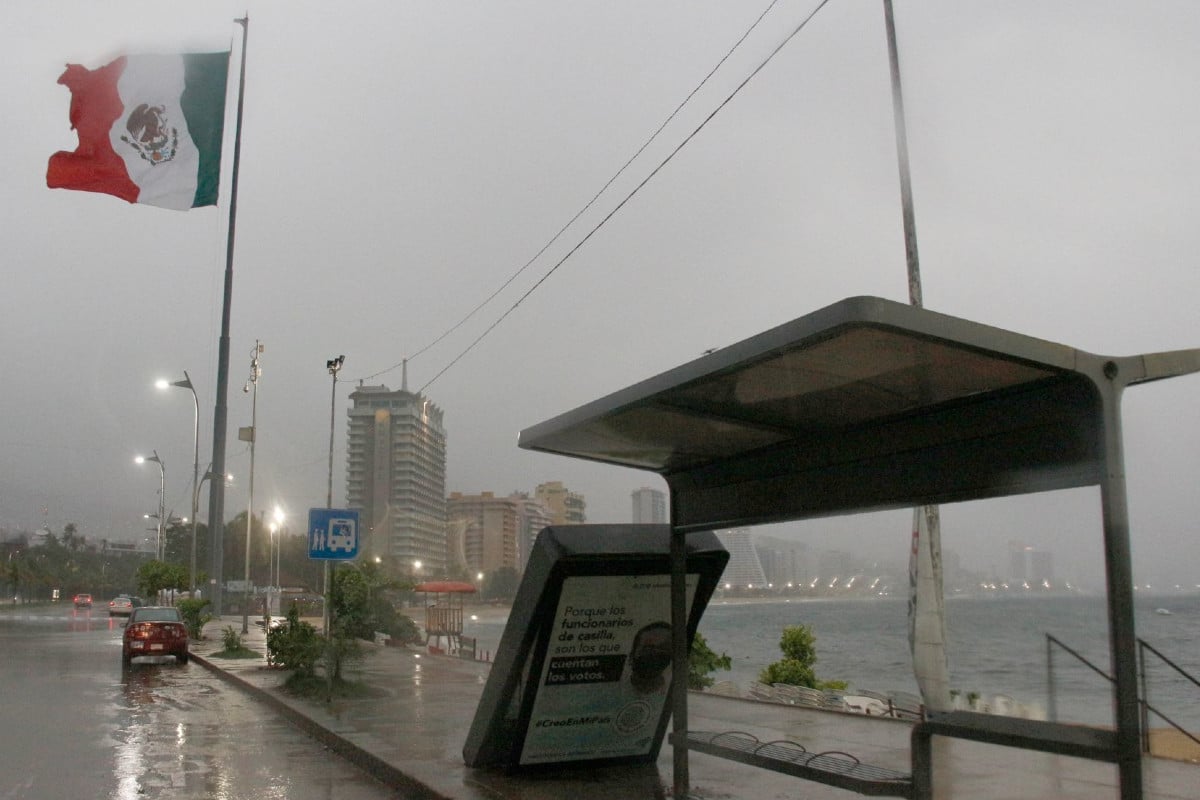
996	646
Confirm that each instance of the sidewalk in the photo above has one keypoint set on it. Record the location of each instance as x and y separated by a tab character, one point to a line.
410	731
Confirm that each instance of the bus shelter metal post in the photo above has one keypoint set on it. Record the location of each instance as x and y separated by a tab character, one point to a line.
1119	576
679	662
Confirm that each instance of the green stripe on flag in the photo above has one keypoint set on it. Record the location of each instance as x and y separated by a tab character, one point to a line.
203	104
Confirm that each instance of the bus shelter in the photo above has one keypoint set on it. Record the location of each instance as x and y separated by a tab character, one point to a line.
868	405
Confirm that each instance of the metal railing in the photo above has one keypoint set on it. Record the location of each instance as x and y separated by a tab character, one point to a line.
1143	646
1143	694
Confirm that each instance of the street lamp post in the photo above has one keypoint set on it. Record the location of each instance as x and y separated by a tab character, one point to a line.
273	528
207	476
273	579
255	372
162	494
276	530
334	365
186	383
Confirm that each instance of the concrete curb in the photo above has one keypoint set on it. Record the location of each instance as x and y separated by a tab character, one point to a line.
369	762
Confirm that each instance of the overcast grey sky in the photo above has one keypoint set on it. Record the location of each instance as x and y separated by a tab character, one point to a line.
401	160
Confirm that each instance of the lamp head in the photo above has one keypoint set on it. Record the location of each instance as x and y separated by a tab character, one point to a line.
186	383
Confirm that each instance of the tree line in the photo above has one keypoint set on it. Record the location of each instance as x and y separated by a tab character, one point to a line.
72	563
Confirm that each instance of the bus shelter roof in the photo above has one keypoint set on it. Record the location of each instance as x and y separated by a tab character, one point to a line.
864	405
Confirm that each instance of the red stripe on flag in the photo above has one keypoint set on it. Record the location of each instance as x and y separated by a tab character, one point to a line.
95	106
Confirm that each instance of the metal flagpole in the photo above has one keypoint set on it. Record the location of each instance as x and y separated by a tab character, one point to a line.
216	489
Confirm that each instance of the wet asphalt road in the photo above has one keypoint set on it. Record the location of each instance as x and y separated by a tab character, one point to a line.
75	725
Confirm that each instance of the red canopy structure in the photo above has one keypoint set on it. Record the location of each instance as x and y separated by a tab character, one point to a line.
445	587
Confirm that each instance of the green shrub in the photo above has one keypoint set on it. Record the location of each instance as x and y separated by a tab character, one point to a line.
402	629
799	647
791	671
340	649
294	645
387	619
702	661
194	616
231	640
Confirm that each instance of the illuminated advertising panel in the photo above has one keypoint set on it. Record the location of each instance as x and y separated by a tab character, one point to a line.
583	671
603	686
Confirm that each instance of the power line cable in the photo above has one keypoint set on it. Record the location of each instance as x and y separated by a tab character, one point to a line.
630	195
589	203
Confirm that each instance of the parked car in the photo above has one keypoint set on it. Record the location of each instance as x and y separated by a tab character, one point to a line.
155	631
83	601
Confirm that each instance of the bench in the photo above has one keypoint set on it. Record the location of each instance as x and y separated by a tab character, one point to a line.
1048	737
833	767
847	772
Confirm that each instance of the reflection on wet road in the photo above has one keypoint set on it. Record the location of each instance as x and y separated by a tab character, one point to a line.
74	724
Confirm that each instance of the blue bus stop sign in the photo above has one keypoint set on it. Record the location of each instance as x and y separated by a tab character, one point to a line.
332	534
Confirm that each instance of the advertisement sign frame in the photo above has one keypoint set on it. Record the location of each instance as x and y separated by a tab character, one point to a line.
581	676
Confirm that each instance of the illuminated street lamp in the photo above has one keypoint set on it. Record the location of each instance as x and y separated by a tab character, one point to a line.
186	383
162	493
273	563
273	527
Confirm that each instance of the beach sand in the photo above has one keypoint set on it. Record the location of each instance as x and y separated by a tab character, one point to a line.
1172	744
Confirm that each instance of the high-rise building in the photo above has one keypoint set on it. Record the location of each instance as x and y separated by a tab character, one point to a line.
649	506
491	530
783	562
744	570
565	507
533	517
1028	565
1018	563
1041	567
396	475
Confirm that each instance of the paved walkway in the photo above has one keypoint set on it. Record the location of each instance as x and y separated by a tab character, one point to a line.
410	730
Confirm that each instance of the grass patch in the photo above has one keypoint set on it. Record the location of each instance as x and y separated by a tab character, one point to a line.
240	652
316	687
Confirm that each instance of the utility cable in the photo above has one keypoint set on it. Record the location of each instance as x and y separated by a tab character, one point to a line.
590	203
630	195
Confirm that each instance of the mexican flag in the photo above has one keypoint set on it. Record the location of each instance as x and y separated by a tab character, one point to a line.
149	129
